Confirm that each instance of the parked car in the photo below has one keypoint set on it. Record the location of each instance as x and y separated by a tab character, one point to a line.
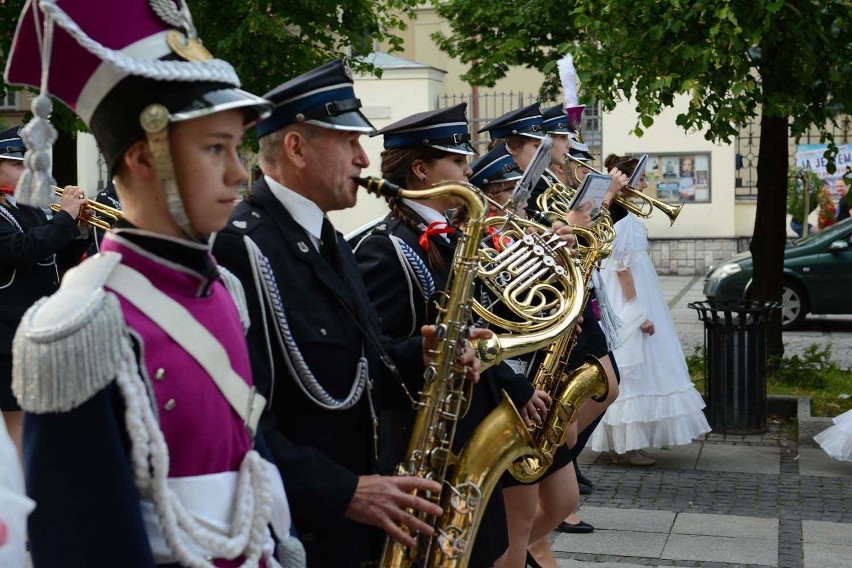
817	275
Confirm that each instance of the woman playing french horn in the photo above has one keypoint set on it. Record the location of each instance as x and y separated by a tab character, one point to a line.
407	259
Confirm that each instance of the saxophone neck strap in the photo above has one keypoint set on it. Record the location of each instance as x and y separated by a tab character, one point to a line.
193	337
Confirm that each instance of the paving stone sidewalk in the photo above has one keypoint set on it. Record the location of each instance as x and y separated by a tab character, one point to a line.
722	501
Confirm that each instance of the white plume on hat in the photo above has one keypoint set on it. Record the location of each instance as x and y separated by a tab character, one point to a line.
569	79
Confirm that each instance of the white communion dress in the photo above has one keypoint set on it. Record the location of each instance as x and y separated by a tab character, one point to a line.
837	440
657	404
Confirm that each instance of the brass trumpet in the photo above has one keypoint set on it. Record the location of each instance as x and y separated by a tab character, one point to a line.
92	213
646	209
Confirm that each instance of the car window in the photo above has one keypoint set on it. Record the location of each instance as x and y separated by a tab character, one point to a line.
830	234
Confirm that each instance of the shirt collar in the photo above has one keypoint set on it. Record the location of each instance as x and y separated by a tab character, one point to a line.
428	214
304	211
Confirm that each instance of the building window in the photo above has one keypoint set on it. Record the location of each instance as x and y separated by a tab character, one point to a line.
9	101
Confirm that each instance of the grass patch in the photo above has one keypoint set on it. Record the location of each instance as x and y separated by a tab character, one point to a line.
812	374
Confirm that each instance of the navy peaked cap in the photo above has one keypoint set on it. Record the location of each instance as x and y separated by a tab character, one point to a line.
445	129
323	96
556	121
526	121
579	151
11	145
494	167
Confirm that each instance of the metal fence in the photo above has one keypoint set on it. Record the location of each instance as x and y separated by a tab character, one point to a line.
485	107
748	146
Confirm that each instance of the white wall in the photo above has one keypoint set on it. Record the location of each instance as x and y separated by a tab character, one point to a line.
89	176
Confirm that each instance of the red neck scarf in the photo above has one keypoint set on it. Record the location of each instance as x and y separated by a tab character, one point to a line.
7	190
435	228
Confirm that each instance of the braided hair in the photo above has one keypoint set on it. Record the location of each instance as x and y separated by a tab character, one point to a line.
396	168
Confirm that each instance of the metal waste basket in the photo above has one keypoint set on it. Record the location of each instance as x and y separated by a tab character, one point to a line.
735	363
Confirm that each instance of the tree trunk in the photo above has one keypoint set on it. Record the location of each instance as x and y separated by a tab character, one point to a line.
770	231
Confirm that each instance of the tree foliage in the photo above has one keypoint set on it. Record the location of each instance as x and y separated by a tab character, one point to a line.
491	37
735	58
269	41
790	58
787	61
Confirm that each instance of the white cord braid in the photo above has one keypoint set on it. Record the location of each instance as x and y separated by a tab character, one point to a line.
213	70
9	217
177	18
150	459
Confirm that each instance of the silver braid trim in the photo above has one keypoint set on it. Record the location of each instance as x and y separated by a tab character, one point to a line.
58	368
214	70
9	217
304	378
235	288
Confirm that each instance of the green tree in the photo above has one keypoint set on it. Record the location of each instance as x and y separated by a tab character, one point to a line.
270	41
788	62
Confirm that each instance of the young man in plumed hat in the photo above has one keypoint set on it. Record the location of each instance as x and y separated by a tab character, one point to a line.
34	252
313	330
139	438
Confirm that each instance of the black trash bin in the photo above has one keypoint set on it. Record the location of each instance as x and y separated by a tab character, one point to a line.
735	363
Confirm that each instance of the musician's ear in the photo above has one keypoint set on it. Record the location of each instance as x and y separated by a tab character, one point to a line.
138	162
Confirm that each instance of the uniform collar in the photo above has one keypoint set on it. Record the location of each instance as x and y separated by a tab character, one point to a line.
192	260
428	214
305	212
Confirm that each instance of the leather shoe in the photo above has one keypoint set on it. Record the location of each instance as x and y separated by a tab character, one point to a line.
585	483
580	528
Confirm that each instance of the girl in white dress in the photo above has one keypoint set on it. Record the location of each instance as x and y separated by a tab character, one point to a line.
657	403
837	440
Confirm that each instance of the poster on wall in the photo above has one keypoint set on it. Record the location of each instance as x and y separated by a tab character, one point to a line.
810	157
679	177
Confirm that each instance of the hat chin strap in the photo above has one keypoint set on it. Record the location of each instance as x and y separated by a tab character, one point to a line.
155	122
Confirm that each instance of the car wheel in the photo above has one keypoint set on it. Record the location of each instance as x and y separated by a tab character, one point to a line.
794	306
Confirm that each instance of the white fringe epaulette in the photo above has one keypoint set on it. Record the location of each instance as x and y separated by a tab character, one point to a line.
235	288
69	345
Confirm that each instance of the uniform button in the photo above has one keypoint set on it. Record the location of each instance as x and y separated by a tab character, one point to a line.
170	404
160	374
323	332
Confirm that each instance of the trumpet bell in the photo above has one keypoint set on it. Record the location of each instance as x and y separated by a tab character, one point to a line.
648	205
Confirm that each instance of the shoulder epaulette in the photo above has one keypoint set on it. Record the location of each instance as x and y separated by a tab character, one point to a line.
235	288
244	220
69	345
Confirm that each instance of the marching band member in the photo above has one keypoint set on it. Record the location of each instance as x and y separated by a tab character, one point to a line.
555	123
34	252
141	414
314	332
407	258
556	497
